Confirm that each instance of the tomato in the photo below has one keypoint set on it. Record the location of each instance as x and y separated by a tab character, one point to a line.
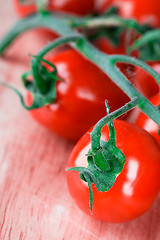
79	7
143	11
148	124
135	188
145	83
80	97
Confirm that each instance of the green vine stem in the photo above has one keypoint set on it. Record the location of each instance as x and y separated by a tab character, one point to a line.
104	62
109	21
112	138
41	85
96	132
44	20
148	46
146	38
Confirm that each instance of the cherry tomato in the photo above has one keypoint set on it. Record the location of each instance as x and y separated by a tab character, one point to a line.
80	97
135	188
143	11
148	124
145	83
79	7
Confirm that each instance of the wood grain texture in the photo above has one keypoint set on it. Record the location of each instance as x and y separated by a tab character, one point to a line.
34	201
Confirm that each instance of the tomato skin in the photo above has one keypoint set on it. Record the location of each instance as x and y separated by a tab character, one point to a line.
148	124
143	11
79	7
145	83
80	97
135	188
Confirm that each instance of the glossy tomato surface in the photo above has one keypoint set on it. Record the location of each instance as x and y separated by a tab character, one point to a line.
145	83
143	11
80	97
135	188
79	7
148	124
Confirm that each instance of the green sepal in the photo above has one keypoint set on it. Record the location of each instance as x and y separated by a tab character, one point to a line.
102	180
46	82
38	99
43	86
159	131
109	158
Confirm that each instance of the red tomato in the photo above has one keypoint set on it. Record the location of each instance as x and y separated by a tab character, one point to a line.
148	124
145	83
80	97
142	10
79	7
135	188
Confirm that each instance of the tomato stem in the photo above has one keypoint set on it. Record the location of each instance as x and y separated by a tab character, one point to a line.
96	132
148	37
112	137
105	62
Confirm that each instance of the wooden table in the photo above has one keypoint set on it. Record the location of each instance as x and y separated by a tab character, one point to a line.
34	200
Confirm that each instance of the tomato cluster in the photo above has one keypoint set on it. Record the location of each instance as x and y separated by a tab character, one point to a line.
79	104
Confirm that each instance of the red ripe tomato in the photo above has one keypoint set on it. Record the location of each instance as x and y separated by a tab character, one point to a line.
143	11
145	83
80	97
79	7
148	124
135	188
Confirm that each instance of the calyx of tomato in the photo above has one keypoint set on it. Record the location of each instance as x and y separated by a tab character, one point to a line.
105	161
42	87
43	83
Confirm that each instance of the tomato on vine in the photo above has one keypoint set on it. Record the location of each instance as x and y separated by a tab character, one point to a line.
148	124
80	96
79	7
135	187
